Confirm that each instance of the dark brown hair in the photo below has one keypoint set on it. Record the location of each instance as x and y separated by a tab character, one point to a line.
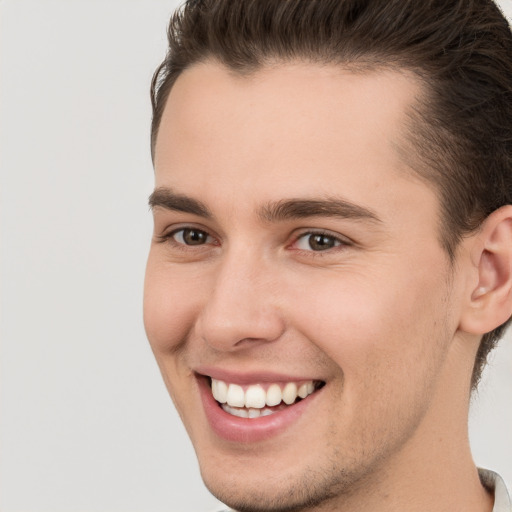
461	51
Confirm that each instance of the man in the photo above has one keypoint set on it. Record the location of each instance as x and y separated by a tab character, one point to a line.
332	255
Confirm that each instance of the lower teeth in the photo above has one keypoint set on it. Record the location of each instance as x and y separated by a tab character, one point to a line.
243	412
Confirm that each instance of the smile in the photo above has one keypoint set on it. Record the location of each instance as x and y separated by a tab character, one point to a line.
257	400
258	406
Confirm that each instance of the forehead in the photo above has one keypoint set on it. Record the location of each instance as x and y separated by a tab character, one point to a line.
300	126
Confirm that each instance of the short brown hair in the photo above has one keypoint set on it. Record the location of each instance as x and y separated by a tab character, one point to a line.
461	50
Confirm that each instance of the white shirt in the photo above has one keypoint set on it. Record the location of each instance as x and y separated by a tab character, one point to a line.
494	482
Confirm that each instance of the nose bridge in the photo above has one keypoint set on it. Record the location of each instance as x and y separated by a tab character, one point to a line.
243	304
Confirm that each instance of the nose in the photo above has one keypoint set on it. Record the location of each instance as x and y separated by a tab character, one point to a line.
243	306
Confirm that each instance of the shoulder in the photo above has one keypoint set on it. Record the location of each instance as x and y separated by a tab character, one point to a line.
495	484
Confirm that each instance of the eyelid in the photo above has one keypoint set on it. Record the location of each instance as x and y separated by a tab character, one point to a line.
169	232
343	241
181	239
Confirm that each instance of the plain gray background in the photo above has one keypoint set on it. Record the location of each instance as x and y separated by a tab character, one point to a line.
86	424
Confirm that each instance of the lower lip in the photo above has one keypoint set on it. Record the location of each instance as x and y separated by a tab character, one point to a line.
249	430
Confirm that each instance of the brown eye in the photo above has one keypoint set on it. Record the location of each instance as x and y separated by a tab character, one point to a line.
317	242
189	236
321	242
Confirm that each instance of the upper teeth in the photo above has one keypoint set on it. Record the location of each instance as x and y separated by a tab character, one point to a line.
256	397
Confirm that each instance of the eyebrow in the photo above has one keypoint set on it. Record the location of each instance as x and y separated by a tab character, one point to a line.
278	211
164	197
290	209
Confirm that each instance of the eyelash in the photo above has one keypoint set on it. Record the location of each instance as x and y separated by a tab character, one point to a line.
338	242
171	237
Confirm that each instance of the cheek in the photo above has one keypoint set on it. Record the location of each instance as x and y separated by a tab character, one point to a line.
388	344
168	317
169	308
368	325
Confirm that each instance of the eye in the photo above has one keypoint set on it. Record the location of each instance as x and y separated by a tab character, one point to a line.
191	236
317	242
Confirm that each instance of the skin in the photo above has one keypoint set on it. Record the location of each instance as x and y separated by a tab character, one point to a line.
381	317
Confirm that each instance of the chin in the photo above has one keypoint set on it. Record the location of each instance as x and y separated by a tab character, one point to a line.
263	488
271	495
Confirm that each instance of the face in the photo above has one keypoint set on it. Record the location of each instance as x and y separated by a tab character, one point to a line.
296	269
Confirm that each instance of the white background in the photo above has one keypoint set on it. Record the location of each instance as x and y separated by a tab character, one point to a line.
86	424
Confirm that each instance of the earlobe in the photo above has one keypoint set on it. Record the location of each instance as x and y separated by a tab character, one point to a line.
490	302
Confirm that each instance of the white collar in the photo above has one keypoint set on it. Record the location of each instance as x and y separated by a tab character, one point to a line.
495	483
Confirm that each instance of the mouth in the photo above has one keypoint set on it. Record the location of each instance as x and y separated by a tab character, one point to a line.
256	406
260	400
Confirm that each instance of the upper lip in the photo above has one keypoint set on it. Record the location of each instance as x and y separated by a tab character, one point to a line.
251	377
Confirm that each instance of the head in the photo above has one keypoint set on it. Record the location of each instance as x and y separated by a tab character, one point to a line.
459	50
407	144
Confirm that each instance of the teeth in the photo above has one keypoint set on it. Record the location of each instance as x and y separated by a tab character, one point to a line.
240	412
247	413
254	413
306	389
274	395
252	402
290	393
220	391
235	396
255	396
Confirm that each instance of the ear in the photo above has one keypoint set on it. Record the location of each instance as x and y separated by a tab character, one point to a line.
490	301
